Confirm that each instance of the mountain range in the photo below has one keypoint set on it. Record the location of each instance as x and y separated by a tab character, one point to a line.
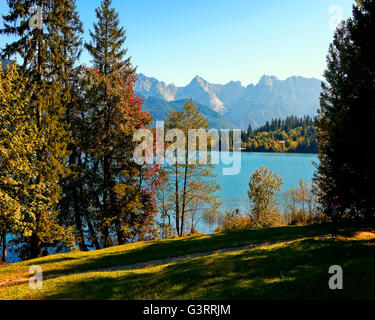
160	108
232	103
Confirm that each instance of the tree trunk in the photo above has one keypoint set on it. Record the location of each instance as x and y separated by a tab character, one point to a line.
163	217
4	251
177	203
184	200
35	241
77	207
93	233
115	212
119	232
107	175
35	244
107	238
106	203
104	226
77	218
78	221
192	224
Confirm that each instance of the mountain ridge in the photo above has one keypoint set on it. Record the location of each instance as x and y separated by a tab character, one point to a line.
160	108
242	105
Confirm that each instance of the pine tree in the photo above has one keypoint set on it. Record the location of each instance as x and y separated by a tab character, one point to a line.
346	124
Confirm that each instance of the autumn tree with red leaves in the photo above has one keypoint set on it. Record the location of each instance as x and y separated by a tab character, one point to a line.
124	189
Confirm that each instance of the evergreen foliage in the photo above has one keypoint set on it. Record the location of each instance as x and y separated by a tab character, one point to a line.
346	123
42	55
76	181
124	190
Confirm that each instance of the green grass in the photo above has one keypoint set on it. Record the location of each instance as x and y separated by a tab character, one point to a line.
147	251
293	270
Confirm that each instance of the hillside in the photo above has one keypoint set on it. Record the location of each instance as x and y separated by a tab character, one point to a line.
296	135
297	268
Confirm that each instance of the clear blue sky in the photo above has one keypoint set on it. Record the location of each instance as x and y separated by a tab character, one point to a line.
222	40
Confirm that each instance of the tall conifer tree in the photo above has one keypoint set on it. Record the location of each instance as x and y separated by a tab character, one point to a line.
67	43
346	126
115	114
42	57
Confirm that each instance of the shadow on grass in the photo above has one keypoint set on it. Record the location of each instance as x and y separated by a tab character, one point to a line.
174	248
119	256
294	271
56	260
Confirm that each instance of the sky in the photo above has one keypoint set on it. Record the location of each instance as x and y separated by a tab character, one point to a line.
223	40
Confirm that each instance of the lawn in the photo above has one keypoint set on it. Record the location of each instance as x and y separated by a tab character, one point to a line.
145	251
294	270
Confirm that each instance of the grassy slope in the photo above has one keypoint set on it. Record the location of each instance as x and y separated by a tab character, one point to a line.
146	251
294	270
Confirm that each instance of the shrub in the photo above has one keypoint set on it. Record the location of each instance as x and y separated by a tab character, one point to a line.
219	229
264	208
233	220
195	233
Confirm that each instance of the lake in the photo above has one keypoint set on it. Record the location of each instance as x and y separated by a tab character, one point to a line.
290	167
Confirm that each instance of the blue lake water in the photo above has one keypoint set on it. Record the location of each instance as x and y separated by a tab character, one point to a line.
290	167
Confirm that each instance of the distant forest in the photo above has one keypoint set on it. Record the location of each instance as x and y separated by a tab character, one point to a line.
293	134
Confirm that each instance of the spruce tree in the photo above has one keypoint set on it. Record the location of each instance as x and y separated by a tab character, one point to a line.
115	113
107	41
106	49
249	131
67	43
346	122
